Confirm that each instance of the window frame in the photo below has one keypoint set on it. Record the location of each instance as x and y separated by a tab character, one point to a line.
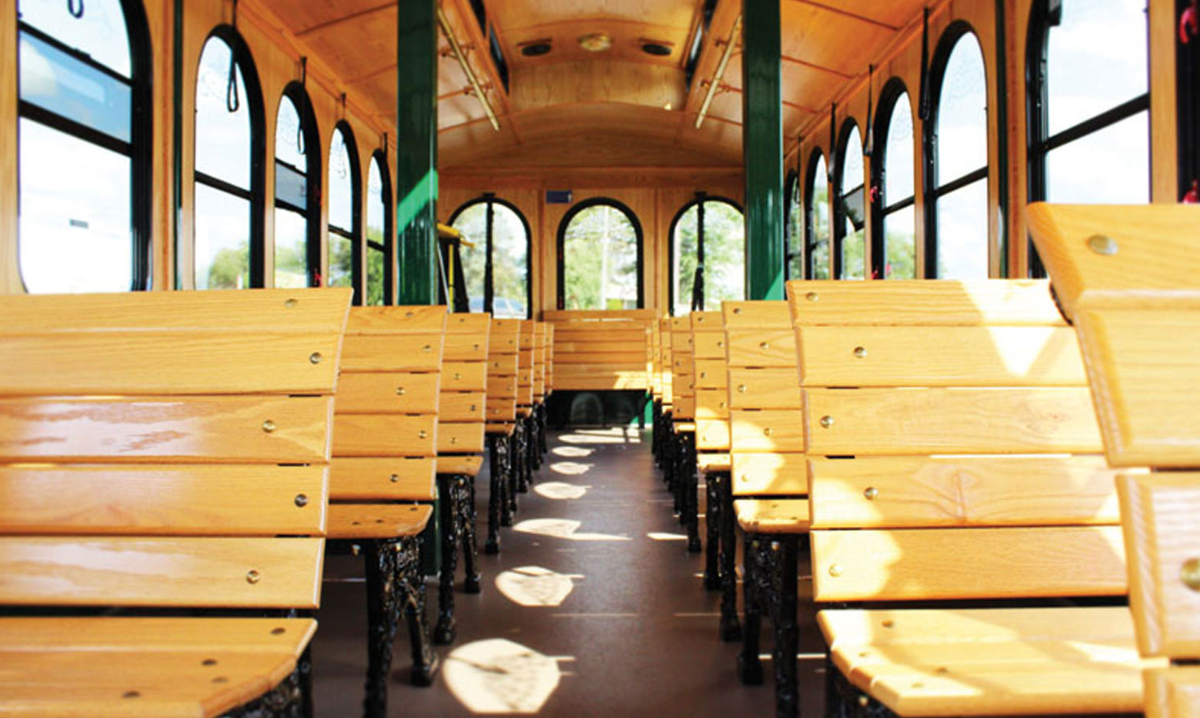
792	188
815	157
355	234
389	230
296	92
931	186
1038	142
139	149
889	100
698	201
838	216
256	195
489	290
562	237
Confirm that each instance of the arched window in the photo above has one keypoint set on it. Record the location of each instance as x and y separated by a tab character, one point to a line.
816	216
1089	103
793	230
600	257
850	207
83	156
894	245
297	192
711	232
379	232
956	160
228	218
345	217
497	268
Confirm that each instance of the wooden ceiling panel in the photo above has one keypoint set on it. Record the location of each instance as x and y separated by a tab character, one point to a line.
512	15
627	38
589	81
826	38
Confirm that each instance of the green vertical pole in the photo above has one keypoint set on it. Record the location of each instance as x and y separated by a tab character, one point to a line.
416	151
762	147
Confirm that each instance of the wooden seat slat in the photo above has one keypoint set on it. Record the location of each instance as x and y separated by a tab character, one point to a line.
767	430
776	388
408	321
162	500
1173	692
709	345
385	435
951	420
762	347
502	387
771	474
712	404
712	461
768	516
500	429
384	479
461	406
225	429
387	393
503	364
460	465
233	635
465	347
464	438
968	563
377	521
712	435
465	375
210	572
392	352
930	491
711	374
755	315
965	356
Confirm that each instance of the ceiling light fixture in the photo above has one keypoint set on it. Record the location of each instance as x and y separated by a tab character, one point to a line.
535	48
656	48
595	42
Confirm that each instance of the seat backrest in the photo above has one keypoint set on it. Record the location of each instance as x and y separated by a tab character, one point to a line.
167	449
599	350
1126	276
503	362
549	358
463	399
666	363
386	412
683	386
711	380
525	371
766	439
952	444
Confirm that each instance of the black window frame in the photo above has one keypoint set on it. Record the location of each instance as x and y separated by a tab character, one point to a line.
296	92
1187	94
840	216
932	188
489	289
389	239
889	100
793	246
1045	15
562	237
815	157
698	201
139	149
355	233
256	195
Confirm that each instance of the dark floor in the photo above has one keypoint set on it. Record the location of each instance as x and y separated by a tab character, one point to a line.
592	608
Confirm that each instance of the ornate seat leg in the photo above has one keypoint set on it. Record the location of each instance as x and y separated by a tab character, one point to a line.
508	502
410	587
292	698
522	456
783	615
692	496
543	421
749	664
382	618
470	544
712	525
531	454
495	495
445	630
730	630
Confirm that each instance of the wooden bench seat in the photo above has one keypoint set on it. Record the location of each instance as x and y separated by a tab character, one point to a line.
505	435
710	381
600	350
180	441
769	516
369	521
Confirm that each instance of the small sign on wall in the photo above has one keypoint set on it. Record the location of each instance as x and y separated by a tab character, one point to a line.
559	196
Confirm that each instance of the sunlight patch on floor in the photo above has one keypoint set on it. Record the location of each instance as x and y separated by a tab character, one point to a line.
560	491
665	536
563	529
499	676
536	586
573	452
570	468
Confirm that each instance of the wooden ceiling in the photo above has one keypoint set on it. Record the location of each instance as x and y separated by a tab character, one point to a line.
620	107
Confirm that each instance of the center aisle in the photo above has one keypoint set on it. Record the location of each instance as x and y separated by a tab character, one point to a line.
592	608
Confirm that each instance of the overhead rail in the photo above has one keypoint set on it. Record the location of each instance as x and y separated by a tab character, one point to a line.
720	73
456	50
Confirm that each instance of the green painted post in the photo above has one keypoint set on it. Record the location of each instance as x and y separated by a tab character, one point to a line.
762	147
416	151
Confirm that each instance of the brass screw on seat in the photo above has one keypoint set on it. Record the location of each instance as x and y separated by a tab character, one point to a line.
399	391
737	310
1190	573
826	421
268	426
741	388
835	570
764	346
131	694
871	493
422	434
860	352
301	500
1102	244
395	478
315	357
253	577
811	296
289	303
457	376
767	431
427	348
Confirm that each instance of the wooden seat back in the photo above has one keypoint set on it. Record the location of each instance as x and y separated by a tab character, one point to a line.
549	358
525	371
683	388
666	362
1126	276
766	438
463	399
654	361
952	444
539	362
711	381
503	363
167	449
598	350
386	412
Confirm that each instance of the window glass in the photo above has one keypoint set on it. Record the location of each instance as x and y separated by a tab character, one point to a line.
724	255
900	244
56	81
376	275
289	140
222	240
600	260
341	184
377	241
1096	59
472	222
223	138
100	34
899	226
962	218
291	247
510	264
852	208
962	113
291	198
795	232
818	205
1109	166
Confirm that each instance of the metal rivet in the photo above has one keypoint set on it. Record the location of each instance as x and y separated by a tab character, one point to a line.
703	375
741	388
888	623
1102	244
427	348
474	407
722	405
941	669
767	431
422	434
720	344
315	357
764	346
826	421
131	694
457	376
737	310
209	662
220	679
408	314
860	352
1190	573
863	701
268	426
395	478
811	296
399	391
871	493
476	346
835	569
253	576
453	440
301	500
278	631
289	303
